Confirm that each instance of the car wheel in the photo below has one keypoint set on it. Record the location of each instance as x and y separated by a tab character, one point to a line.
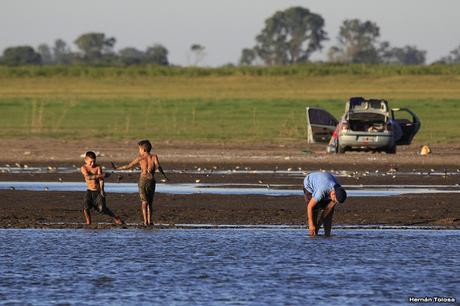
341	149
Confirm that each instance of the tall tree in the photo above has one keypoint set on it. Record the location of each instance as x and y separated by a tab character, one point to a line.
45	52
61	52
21	55
248	57
198	53
94	45
158	54
357	42
290	36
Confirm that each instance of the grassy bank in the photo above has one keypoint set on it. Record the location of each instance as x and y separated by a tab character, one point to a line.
220	104
237	120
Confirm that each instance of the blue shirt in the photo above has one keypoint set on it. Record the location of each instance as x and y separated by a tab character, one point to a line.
320	184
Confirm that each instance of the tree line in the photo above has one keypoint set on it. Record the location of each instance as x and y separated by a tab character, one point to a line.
92	48
288	37
292	35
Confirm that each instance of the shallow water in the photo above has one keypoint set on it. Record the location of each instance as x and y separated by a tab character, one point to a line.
282	172
232	189
226	266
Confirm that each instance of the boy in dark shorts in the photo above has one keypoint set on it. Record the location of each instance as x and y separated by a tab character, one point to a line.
148	163
322	192
95	195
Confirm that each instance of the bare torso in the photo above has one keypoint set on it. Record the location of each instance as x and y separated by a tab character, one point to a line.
91	184
147	164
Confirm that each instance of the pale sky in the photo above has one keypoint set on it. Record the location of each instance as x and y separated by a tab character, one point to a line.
224	27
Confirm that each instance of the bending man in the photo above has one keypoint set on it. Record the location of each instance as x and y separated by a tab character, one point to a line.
322	192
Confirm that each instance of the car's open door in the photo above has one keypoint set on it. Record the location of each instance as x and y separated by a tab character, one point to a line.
320	125
409	123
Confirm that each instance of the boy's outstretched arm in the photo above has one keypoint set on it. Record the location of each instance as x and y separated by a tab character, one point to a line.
158	166
128	166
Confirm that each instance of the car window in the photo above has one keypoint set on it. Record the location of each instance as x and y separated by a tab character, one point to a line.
319	116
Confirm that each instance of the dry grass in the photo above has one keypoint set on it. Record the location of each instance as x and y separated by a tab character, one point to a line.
236	87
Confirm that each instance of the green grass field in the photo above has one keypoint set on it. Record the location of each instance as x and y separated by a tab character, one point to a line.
234	108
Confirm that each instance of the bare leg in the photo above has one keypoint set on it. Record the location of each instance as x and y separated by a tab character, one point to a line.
328	223
144	212
87	215
150	213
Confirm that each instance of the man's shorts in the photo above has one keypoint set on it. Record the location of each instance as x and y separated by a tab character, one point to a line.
320	205
94	200
146	189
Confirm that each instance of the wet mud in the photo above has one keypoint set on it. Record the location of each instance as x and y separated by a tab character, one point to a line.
57	209
256	165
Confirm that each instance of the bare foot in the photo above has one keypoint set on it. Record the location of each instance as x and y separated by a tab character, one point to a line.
117	220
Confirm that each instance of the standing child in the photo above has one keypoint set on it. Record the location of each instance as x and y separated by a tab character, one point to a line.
148	163
95	195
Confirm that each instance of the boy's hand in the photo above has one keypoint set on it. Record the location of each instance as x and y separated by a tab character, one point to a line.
103	194
113	166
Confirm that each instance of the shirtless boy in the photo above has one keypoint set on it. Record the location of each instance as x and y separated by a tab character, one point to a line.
95	195
148	163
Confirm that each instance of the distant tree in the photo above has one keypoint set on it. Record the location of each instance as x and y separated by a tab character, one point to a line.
290	36
157	54
94	46
198	53
45	52
248	57
62	53
21	55
452	58
408	55
131	56
357	43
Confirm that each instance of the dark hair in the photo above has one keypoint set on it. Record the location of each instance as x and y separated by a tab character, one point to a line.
146	145
340	193
90	154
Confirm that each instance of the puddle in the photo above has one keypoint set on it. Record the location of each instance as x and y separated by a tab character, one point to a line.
230	189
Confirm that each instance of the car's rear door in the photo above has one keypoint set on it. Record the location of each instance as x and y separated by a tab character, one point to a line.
320	125
409	123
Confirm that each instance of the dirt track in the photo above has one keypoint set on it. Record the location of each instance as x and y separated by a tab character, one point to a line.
34	209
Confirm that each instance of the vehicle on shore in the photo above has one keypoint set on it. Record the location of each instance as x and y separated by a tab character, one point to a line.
367	124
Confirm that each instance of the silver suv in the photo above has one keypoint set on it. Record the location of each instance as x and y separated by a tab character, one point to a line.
368	124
